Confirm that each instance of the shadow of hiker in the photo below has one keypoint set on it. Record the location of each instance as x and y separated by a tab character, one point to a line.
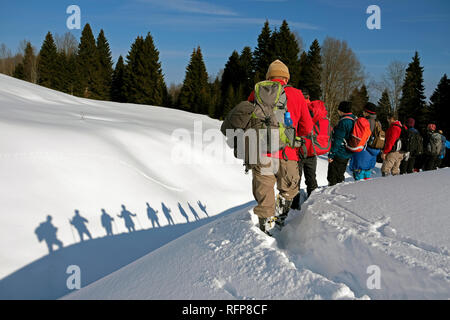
79	223
151	214
46	277
47	231
183	212
167	212
202	207
127	217
193	212
106	220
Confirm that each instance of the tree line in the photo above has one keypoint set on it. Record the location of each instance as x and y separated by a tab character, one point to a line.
330	72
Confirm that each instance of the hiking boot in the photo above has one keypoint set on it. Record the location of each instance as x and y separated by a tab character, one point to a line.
282	206
268	225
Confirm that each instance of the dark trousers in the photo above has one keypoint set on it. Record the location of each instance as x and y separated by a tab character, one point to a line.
430	162
407	166
336	171
307	166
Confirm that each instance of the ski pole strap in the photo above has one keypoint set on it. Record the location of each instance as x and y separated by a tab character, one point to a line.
283	152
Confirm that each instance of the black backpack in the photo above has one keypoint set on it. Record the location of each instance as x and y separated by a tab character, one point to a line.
411	142
415	143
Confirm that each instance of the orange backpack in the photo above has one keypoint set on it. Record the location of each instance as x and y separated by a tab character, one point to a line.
360	135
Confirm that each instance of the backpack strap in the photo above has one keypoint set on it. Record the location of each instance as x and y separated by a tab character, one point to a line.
348	117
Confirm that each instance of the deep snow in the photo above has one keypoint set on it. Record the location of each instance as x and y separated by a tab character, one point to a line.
61	153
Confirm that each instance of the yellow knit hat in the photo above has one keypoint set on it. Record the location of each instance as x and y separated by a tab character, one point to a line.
278	69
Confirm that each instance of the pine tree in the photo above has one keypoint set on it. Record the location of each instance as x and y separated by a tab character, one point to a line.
144	81
47	67
287	50
105	66
264	53
311	71
88	65
29	64
412	102
118	82
63	72
247	72
229	101
440	105
232	74
71	71
194	94
384	109
359	99
19	71
216	99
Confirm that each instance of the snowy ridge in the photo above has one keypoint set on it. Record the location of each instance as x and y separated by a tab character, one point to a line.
229	258
342	231
60	153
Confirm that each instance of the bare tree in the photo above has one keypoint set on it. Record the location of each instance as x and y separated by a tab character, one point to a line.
341	74
299	41
6	62
66	43
393	79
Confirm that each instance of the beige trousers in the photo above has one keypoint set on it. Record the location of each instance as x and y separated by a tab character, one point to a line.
391	165
283	173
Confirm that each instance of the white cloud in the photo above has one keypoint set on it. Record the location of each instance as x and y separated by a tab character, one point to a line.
192	6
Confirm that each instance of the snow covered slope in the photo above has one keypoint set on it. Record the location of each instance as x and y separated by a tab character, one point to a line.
226	259
59	153
328	251
400	225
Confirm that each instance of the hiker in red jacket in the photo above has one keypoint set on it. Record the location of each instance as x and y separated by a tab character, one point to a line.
392	156
308	165
281	167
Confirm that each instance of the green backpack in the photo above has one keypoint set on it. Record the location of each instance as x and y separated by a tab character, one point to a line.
265	117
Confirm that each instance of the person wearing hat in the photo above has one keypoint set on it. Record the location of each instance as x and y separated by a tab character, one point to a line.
283	164
432	148
414	148
362	163
339	156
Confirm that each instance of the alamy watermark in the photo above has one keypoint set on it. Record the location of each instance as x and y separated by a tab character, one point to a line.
211	146
374	280
374	20
73	282
74	20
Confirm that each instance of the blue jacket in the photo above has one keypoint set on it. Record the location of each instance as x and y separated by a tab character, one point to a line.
341	132
443	149
364	160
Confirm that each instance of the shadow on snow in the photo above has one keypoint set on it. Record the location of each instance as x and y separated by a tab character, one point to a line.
46	277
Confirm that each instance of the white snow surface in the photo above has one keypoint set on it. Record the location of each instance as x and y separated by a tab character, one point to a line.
60	153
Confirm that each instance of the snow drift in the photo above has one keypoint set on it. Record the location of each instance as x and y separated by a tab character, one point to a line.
60	153
400	225
324	252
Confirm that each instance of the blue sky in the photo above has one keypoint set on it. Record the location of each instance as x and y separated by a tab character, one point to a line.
220	27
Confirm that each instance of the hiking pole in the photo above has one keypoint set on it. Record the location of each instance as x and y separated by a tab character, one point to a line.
71	230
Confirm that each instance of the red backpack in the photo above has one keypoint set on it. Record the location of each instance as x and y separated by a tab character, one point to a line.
318	141
360	134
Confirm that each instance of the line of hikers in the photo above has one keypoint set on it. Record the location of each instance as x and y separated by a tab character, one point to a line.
47	231
289	131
